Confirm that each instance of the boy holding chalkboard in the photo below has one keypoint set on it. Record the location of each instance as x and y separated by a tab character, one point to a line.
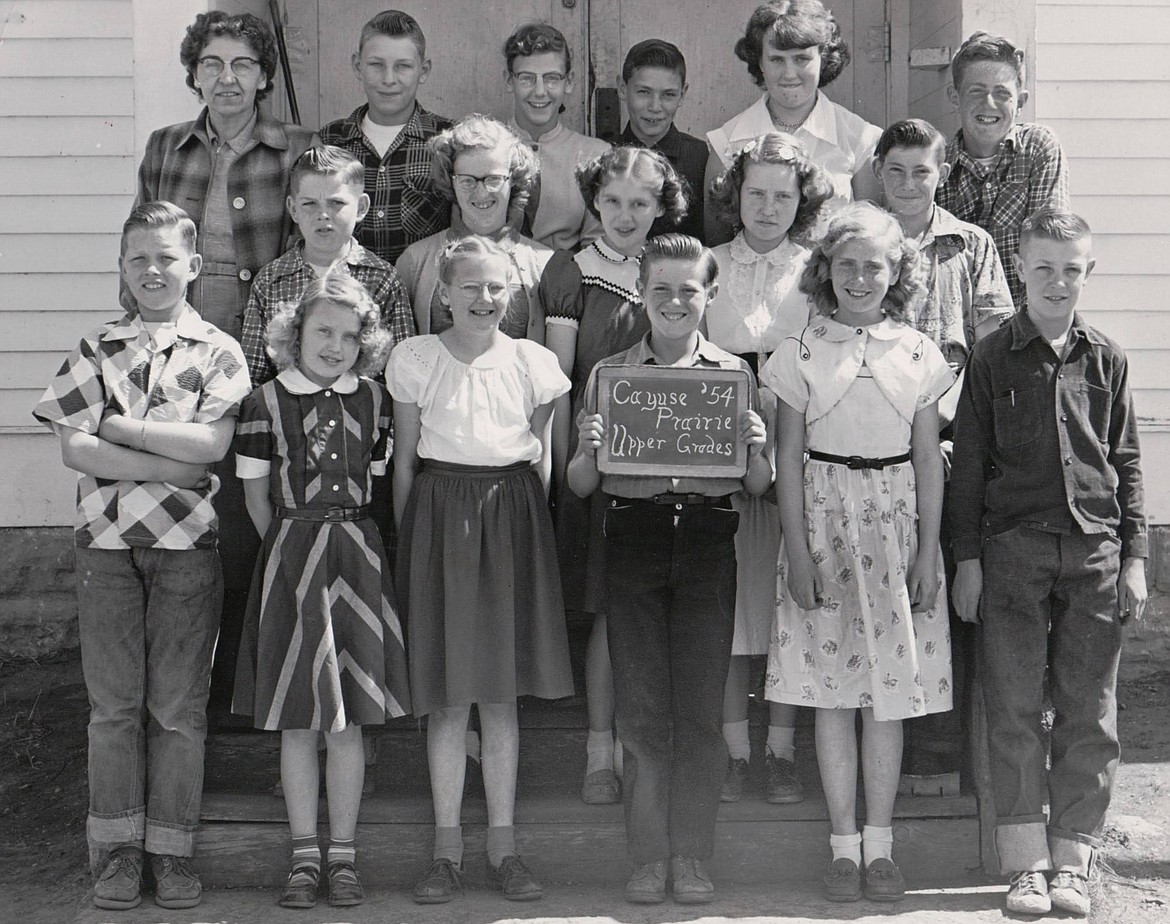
670	554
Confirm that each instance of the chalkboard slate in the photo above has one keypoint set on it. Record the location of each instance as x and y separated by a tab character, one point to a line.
672	421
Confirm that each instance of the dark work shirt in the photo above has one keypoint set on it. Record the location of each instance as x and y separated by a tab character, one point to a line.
1046	442
688	155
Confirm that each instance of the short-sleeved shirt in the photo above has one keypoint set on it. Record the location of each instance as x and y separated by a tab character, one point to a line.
562	221
192	373
837	140
688	155
706	356
965	285
317	445
283	281
1029	173
858	387
476	413
759	301
405	204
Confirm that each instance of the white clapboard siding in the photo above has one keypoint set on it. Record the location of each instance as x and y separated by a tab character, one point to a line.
1083	62
60	291
62	214
1060	23
56	331
35	488
20	370
55	253
1136	254
41	19
16	406
66	96
69	176
1112	214
1100	100
1100	175
1119	139
80	57
70	136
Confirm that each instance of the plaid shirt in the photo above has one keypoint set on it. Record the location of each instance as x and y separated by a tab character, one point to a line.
284	281
177	167
194	373
1029	173
405	206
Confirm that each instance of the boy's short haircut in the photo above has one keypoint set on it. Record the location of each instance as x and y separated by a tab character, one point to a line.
640	163
983	46
157	215
245	27
470	246
284	329
327	160
788	25
912	133
394	24
537	38
654	53
815	187
1054	225
675	246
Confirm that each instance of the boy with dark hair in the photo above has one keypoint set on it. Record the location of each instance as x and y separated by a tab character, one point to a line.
653	86
143	407
389	135
670	548
1002	170
1050	540
326	201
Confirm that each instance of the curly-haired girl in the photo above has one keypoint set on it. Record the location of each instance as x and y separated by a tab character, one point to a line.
312	659
860	617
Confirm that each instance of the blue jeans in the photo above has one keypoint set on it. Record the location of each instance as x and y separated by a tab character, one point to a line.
1050	602
670	574
148	621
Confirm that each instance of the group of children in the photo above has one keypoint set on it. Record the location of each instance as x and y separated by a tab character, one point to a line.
856	319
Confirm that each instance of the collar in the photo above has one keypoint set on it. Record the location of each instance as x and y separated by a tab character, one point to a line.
958	154
669	145
188	325
780	255
351	125
1024	331
945	225
243	138
600	265
547	138
705	350
293	260
756	120
834	331
265	130
297	383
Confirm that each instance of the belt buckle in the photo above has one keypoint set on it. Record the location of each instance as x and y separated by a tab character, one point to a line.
335	514
856	462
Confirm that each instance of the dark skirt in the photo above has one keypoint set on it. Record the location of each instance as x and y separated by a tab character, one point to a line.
479	588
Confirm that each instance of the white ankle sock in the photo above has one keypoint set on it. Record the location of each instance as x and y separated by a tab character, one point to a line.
877	843
598	751
846	845
782	741
736	736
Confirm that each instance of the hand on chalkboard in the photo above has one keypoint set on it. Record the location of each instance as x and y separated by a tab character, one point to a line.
752	431
590	431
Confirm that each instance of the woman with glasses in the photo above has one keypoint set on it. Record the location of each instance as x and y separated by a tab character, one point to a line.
486	172
229	169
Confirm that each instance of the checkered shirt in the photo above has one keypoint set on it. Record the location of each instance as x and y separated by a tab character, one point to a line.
193	373
405	206
284	281
176	166
1029	174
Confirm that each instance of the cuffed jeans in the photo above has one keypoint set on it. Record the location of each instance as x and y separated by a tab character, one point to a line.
148	620
1050	601
671	591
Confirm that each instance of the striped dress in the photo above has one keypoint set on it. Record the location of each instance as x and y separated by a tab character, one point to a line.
322	646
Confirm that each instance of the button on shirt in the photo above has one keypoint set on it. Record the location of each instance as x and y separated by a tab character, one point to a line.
706	355
1046	442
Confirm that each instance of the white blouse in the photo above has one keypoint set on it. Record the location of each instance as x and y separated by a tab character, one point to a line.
476	413
759	302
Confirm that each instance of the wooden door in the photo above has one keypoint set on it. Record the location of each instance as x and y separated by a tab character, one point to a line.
706	32
465	40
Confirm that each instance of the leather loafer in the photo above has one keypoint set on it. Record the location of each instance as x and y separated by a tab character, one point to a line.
689	882
842	881
442	883
515	880
647	884
884	882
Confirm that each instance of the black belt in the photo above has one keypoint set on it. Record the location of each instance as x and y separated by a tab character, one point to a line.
322	514
670	499
858	461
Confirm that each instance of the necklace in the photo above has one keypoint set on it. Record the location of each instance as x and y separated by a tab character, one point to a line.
789	127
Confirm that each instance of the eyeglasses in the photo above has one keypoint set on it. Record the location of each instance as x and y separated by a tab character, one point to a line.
466	182
473	290
527	80
241	67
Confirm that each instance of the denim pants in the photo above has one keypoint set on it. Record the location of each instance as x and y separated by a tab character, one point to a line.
671	593
1050	601
148	620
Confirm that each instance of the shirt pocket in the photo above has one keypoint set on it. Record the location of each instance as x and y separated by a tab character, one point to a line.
1093	406
1017	418
424	211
